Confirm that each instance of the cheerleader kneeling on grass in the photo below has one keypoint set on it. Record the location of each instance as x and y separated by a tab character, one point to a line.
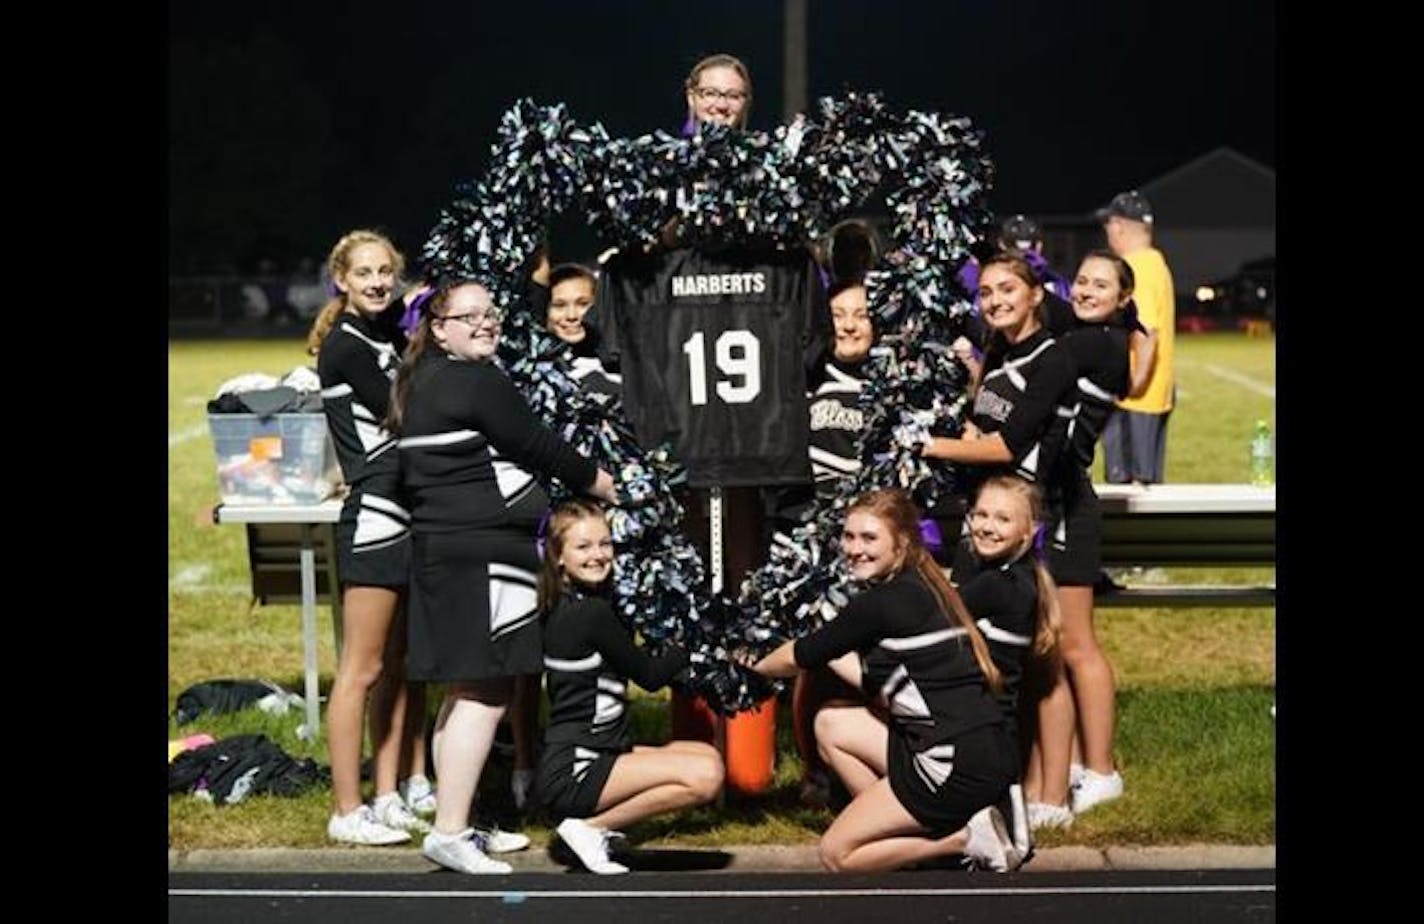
927	782
589	774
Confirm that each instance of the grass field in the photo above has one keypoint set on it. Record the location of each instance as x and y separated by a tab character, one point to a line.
1195	738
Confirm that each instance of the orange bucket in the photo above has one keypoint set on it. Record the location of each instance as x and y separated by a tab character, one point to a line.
749	748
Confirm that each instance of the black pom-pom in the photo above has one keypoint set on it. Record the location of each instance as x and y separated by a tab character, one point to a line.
714	188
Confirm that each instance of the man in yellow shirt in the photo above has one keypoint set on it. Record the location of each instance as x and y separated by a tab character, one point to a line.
1135	437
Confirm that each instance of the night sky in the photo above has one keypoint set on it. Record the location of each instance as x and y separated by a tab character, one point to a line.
289	123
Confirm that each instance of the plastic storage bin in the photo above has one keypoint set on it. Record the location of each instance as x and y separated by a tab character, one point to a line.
282	459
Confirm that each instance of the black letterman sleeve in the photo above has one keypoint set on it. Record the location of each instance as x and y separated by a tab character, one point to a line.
1053	376
355	365
866	619
606	635
501	414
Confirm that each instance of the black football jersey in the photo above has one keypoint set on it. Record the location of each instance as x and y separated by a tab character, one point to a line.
712	347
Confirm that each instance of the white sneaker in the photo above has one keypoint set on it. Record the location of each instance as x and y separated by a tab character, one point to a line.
393	813
1075	776
460	853
493	840
419	795
520	782
360	826
1048	815
989	845
1094	789
590	845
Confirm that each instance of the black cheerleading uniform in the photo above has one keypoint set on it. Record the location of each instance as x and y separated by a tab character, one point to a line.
1002	596
590	370
836	423
473	611
356	364
1023	385
590	658
525	500
593	372
1100	357
949	753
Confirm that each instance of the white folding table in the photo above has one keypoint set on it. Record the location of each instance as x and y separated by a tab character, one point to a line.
309	517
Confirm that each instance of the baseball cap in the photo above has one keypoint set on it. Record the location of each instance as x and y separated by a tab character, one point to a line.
1131	205
1020	231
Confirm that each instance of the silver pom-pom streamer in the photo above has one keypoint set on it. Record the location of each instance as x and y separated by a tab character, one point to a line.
720	186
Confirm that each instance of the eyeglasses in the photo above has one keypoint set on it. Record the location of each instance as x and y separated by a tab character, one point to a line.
708	94
475	318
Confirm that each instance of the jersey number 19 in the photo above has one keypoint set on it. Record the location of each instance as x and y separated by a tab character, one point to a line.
738	354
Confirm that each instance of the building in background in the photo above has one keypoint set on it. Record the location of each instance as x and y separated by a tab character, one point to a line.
1216	222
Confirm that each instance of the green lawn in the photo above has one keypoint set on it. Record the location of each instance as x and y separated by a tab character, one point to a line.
1195	739
1209	433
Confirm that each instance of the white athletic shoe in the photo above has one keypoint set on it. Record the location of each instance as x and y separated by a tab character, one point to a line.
1047	815
360	826
1094	789
590	845
460	853
493	840
392	812
989	845
419	795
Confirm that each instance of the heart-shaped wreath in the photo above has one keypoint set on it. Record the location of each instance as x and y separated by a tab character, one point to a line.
723	186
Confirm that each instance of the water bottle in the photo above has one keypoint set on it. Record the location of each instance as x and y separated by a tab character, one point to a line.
1263	472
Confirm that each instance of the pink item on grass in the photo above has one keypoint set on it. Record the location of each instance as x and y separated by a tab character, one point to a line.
179	745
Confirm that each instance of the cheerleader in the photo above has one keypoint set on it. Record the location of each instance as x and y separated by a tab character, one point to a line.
473	615
1014	601
357	353
572	288
925	781
1086	696
590	775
